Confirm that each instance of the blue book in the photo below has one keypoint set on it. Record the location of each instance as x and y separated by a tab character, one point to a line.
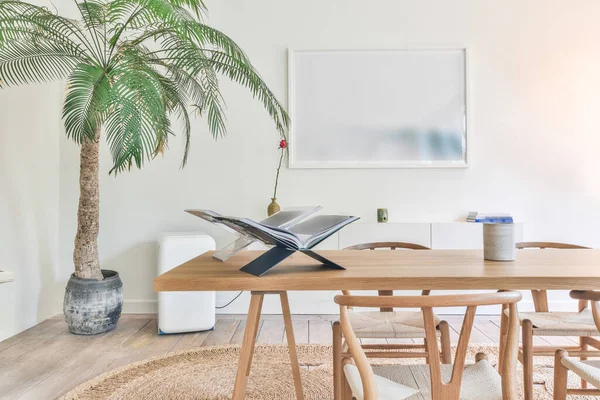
503	220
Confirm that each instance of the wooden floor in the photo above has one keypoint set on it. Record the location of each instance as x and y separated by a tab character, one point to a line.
45	361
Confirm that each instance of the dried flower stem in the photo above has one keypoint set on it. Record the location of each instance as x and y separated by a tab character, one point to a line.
277	176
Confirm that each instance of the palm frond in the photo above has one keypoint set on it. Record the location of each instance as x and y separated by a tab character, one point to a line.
174	96
246	75
94	13
138	124
86	102
206	37
177	101
141	14
189	91
187	56
184	118
197	6
34	62
212	103
166	17
23	21
186	30
94	17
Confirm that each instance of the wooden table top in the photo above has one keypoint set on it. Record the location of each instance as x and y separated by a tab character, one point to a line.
387	269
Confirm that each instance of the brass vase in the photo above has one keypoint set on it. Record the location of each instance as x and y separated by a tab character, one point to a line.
273	207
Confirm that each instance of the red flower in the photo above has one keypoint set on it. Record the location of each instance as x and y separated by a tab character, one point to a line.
282	144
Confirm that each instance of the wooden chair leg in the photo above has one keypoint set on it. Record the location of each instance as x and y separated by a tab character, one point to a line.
445	342
503	332
337	361
385	293
511	348
247	350
527	332
584	347
560	376
289	332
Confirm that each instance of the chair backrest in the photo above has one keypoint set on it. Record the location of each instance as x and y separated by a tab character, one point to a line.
593	297
439	390
391	246
540	297
387	245
548	245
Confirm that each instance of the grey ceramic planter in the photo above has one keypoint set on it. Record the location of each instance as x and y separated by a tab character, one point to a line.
92	306
499	242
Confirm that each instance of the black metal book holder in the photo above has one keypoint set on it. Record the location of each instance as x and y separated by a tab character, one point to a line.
277	254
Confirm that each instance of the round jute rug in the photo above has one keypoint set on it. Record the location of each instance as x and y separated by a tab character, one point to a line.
208	373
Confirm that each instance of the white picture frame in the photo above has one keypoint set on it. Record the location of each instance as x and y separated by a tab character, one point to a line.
303	125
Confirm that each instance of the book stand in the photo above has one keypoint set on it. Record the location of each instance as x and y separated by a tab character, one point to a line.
249	234
277	254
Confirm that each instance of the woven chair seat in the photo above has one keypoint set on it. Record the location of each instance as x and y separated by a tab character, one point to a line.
589	370
561	323
480	381
393	324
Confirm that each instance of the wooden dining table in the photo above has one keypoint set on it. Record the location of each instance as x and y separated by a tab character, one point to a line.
380	270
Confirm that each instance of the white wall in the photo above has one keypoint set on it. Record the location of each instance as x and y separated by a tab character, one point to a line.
534	87
29	151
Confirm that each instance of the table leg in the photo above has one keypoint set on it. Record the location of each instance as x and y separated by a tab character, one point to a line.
247	350
289	331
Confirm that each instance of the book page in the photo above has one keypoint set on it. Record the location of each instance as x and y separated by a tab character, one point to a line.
318	224
289	216
315	229
263	233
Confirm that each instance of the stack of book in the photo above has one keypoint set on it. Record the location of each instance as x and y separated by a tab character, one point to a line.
490	218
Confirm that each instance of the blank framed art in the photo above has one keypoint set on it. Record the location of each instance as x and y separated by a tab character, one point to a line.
378	108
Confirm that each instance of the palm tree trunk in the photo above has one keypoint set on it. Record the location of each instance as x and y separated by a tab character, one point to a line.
85	254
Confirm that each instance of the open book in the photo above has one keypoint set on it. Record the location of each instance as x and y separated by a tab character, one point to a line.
301	236
284	219
288	231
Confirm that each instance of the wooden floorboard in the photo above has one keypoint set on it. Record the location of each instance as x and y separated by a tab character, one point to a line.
62	360
300	331
191	340
487	327
223	332
46	361
238	336
271	332
455	322
319	332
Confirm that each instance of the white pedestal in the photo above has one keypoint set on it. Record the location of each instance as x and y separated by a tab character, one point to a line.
184	311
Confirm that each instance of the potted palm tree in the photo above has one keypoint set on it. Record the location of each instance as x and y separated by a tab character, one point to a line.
134	69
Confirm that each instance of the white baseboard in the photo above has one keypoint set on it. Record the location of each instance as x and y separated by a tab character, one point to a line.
140	306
